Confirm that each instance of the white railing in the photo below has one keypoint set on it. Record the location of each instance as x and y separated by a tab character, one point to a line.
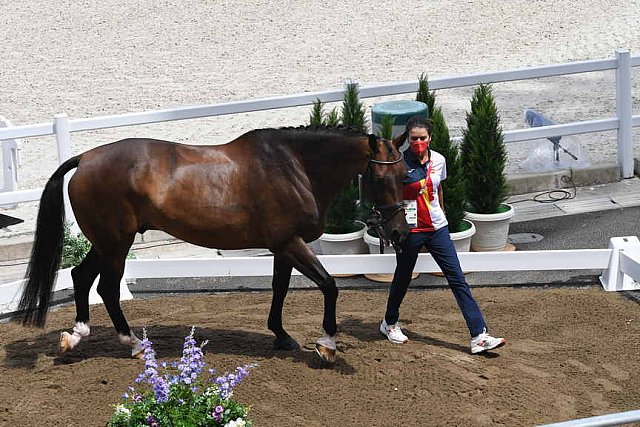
620	265
617	419
10	160
62	126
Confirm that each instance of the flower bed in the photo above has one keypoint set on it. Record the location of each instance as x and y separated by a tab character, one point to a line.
179	394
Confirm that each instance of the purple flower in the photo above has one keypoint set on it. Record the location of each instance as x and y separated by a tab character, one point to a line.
152	421
164	382
150	375
191	364
227	382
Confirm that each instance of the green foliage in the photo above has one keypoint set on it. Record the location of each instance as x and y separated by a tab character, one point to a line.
332	118
424	95
317	116
386	127
353	112
454	186
74	248
484	155
343	211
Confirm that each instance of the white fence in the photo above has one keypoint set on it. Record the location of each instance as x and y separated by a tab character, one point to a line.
624	122
10	160
620	264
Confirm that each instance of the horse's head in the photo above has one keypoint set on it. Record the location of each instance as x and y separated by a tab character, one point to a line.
383	188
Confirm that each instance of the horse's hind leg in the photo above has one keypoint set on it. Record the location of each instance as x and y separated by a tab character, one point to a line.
280	285
111	271
83	276
297	254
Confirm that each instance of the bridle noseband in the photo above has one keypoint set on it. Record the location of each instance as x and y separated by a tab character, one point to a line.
381	215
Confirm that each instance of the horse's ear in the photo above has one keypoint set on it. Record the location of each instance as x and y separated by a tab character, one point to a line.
398	140
373	143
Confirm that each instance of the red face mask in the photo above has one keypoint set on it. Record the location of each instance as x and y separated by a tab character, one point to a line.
418	147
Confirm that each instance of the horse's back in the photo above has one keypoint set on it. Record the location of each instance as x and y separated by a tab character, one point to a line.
243	194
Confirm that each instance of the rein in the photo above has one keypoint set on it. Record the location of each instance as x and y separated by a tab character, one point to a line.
378	218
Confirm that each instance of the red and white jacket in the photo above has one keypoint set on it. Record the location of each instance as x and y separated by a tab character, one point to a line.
421	184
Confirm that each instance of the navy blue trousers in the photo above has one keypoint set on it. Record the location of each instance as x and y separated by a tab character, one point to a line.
444	253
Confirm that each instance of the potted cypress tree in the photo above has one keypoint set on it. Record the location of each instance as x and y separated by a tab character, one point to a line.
371	237
455	201
343	230
484	158
461	230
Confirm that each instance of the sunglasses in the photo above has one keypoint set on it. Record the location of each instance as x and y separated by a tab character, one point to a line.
416	138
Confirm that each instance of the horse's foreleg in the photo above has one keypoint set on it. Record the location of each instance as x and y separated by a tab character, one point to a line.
83	276
280	286
298	254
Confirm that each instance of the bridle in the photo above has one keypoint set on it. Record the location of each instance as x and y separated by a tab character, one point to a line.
381	215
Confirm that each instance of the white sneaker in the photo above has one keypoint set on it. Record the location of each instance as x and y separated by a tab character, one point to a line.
484	342
393	333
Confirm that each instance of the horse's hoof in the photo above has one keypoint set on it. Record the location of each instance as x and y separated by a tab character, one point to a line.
327	354
285	343
65	342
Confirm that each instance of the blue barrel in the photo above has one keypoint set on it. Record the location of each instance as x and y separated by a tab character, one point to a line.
401	110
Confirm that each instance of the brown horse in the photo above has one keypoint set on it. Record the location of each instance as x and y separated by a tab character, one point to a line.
269	188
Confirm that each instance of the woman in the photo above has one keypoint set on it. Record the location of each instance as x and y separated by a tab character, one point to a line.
424	207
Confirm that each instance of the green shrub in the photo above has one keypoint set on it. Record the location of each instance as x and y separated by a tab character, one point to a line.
424	95
386	127
454	186
74	248
484	155
344	210
353	112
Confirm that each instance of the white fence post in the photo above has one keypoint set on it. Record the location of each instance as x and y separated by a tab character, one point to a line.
62	130
10	161
623	111
63	136
613	278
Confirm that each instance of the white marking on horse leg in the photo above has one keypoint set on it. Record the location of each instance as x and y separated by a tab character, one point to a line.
132	341
69	341
327	341
82	329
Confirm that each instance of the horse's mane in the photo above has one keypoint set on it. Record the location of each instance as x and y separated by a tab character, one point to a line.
340	129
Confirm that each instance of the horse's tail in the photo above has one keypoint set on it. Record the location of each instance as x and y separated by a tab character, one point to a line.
46	251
